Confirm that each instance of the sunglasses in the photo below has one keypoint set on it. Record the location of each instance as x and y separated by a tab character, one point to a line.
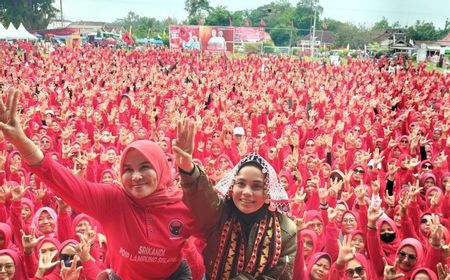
358	171
427	166
309	145
402	255
351	271
404	141
424	221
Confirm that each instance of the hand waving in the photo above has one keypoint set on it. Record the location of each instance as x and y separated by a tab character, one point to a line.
183	146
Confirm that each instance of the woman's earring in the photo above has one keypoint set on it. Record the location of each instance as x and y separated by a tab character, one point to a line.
267	201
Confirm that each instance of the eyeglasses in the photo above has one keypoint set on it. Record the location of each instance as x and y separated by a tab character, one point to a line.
358	171
315	225
427	166
351	271
402	255
348	221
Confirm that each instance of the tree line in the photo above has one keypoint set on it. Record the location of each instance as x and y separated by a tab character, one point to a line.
286	23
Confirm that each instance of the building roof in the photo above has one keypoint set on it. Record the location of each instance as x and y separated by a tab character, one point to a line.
445	41
387	34
325	37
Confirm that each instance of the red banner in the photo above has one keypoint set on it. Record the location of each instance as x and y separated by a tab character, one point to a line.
217	38
250	34
184	37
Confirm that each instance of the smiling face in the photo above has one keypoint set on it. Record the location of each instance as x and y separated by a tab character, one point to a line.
406	258
8	268
358	243
46	223
320	269
139	178
248	189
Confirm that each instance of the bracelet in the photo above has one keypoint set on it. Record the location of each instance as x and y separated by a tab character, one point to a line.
372	228
30	153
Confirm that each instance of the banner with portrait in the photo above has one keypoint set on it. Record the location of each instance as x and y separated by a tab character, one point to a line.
217	38
184	37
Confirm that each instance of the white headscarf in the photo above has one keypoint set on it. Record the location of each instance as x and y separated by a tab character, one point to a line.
277	194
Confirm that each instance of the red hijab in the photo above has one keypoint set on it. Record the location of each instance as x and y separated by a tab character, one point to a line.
19	264
165	192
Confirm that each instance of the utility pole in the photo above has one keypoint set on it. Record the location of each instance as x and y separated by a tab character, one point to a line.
60	7
313	38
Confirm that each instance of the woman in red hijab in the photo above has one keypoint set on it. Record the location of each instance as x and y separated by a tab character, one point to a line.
13	264
150	241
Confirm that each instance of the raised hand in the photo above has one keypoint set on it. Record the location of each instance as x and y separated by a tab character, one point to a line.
390	272
83	248
72	272
413	162
346	250
323	194
184	144
443	272
389	199
62	206
46	262
18	192
299	196
5	192
29	241
360	192
336	185
373	214
436	232
301	222
9	123
435	199
332	213
40	193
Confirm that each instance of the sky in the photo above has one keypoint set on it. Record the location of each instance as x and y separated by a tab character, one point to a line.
355	11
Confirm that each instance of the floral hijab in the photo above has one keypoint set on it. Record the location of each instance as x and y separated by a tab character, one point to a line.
278	197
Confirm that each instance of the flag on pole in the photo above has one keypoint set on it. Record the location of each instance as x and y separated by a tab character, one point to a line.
127	38
262	23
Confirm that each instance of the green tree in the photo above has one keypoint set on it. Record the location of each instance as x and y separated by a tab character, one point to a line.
239	17
143	27
218	16
196	9
383	24
423	31
304	14
34	14
278	17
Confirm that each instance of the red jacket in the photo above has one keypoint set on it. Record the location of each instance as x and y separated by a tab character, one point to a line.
145	236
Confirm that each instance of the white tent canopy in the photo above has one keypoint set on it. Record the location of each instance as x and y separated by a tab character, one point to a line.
2	32
11	32
16	34
24	34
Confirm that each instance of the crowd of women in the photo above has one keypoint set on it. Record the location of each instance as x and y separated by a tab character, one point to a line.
156	164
